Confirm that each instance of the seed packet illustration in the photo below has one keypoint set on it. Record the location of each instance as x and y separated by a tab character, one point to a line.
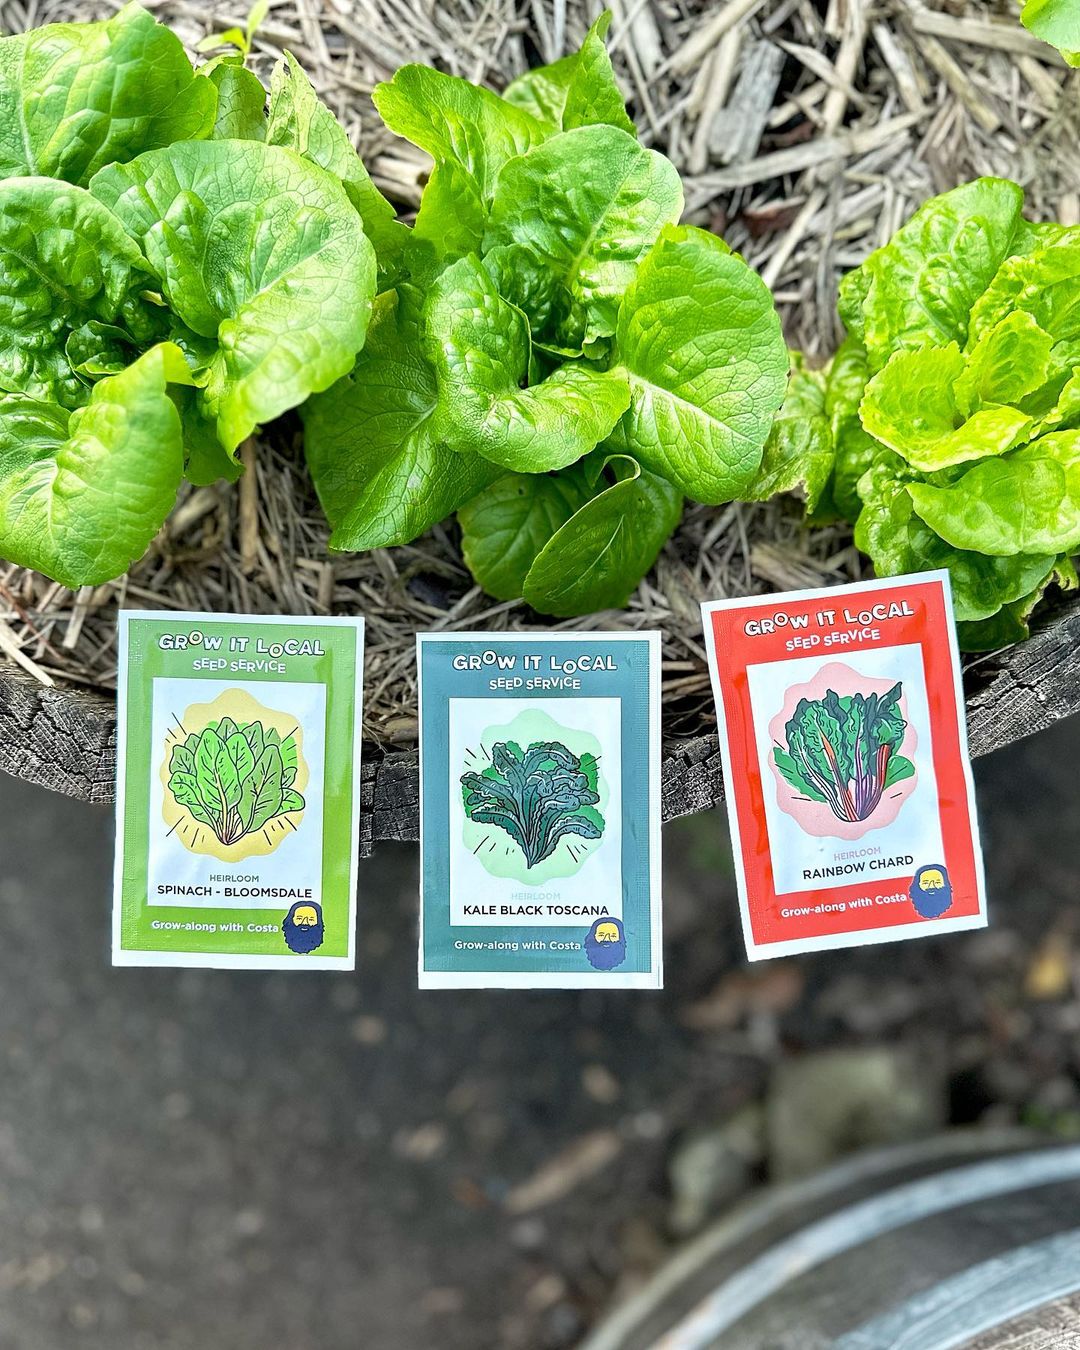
540	810
237	795
846	768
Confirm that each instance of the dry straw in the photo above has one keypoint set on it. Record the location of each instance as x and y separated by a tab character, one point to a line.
804	134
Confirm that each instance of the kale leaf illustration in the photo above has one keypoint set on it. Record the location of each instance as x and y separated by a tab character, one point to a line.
538	796
235	777
843	750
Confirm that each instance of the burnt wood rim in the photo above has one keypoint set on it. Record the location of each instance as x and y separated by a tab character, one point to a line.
65	738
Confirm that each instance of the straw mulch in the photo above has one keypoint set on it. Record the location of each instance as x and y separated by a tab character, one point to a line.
805	132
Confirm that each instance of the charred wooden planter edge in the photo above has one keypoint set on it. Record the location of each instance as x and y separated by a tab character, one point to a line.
65	739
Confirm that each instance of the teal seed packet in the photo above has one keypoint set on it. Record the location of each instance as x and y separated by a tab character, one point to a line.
237	795
540	811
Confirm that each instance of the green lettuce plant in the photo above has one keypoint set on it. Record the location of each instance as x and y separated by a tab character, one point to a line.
178	264
954	405
551	355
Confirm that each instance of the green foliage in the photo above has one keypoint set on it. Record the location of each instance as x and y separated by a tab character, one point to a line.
177	266
235	777
843	751
1056	22
552	355
954	405
538	796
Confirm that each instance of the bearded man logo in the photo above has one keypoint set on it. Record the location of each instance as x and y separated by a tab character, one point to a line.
931	891
605	944
303	927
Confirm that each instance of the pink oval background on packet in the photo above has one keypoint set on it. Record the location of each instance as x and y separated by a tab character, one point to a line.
816	818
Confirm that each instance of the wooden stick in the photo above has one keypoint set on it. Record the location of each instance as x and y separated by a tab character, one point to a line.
249	507
700	43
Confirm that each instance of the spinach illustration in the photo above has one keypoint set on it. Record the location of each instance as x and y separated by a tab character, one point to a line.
843	750
235	777
538	796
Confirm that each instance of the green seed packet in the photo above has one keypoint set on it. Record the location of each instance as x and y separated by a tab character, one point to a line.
540	810
237	795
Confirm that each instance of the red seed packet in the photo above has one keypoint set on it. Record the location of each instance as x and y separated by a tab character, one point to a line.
846	767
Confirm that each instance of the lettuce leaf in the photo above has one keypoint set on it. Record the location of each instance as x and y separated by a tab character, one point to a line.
287	322
61	251
505	527
700	341
587	206
479	346
80	499
920	288
898	541
382	472
914	406
77	96
580	90
1056	22
799	455
596	560
1026	502
471	134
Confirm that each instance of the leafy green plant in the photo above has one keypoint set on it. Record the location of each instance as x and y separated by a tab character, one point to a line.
954	405
538	796
1056	22
551	354
178	264
235	777
843	751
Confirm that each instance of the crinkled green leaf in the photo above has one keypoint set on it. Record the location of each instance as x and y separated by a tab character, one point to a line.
504	528
898	542
588	204
382	473
83	494
65	260
77	96
241	103
300	121
598	557
578	91
1043	283
1011	623
1008	362
1056	22
479	346
799	453
470	133
854	449
700	339
206	459
94	349
912	407
1026	502
920	288
257	249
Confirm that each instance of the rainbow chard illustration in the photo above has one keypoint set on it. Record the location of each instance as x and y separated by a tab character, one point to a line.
845	750
538	796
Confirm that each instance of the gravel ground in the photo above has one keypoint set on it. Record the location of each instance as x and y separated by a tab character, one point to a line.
329	1162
